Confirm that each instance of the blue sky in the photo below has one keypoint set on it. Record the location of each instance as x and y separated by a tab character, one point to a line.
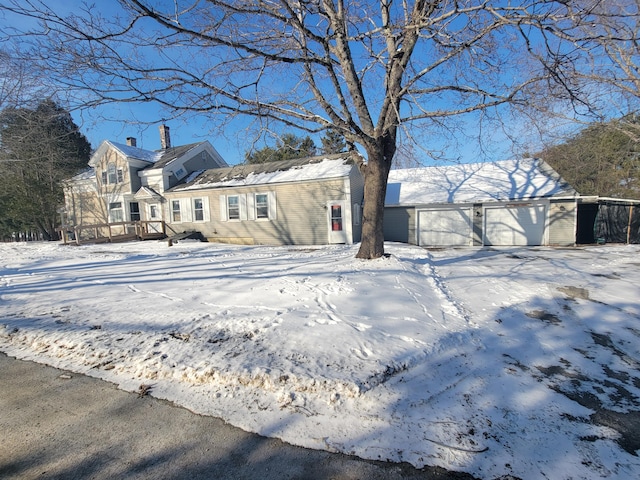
118	121
142	122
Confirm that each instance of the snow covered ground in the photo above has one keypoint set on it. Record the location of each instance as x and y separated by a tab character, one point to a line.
510	361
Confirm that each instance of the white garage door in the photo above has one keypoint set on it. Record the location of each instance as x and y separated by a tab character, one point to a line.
444	227
515	225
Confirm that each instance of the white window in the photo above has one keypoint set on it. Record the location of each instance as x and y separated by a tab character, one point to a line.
175	211
262	205
180	172
233	207
357	213
336	218
198	210
115	212
153	211
113	175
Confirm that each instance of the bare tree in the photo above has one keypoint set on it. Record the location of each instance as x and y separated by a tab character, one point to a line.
17	83
362	68
616	65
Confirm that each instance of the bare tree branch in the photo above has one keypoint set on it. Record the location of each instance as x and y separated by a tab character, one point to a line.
363	68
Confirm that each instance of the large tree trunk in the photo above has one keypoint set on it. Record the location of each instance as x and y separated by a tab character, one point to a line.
376	173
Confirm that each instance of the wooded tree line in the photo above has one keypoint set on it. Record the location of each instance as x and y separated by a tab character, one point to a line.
290	146
602	159
39	148
372	71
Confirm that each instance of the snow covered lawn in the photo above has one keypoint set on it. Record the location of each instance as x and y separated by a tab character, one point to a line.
511	361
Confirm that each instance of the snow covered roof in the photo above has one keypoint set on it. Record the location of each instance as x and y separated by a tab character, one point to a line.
477	182
155	159
137	153
311	168
88	173
147	192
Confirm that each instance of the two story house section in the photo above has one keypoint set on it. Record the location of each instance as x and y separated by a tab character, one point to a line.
125	183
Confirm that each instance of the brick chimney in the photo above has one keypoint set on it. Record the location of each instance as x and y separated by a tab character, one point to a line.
165	139
131	141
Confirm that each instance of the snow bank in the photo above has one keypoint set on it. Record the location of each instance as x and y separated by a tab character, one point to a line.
489	361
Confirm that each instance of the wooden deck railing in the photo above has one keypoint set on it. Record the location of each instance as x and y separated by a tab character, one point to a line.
116	232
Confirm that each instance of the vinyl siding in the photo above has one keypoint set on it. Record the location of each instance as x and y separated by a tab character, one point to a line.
300	216
85	208
112	156
478	224
562	223
399	224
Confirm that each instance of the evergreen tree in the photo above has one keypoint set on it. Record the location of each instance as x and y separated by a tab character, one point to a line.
39	148
288	147
333	142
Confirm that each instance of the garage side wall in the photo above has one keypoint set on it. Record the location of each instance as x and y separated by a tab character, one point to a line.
477	232
562	223
400	225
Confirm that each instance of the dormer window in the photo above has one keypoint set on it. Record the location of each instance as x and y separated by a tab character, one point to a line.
180	172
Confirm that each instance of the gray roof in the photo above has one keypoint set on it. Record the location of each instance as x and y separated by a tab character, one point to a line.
309	168
155	158
172	153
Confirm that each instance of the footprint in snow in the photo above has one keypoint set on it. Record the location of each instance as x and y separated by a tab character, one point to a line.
361	327
362	353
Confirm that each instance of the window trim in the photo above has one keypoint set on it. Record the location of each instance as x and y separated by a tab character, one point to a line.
201	210
357	214
112	175
180	172
336	212
236	216
266	206
133	213
115	212
175	203
246	206
269	204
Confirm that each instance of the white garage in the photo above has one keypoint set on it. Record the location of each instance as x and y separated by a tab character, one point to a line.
449	226
518	202
518	224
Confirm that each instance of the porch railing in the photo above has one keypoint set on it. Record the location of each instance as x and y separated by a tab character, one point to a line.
116	232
